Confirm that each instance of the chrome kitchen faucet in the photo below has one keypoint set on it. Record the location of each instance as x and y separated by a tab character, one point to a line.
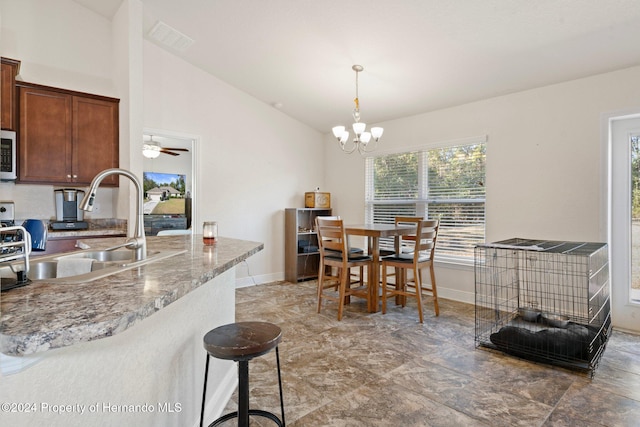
138	242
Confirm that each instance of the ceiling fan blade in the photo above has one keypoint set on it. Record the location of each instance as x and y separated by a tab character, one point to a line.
164	150
175	149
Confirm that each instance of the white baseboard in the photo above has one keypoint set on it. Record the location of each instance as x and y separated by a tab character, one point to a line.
444	292
243	282
456	295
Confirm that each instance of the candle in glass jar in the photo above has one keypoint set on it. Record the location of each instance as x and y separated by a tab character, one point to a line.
209	232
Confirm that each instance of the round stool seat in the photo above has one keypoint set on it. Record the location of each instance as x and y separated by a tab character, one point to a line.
242	340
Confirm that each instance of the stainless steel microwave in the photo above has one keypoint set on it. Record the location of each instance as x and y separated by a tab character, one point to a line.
8	156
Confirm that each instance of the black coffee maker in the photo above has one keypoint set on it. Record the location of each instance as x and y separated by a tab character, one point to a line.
68	215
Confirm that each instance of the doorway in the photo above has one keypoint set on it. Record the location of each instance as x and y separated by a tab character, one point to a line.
171	199
624	220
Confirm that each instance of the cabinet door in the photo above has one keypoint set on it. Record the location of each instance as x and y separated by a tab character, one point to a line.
7	92
95	139
45	136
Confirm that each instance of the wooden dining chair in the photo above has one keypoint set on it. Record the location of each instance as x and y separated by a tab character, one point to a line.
413	253
335	252
354	277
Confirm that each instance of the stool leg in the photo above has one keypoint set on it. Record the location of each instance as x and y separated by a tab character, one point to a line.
280	386
204	390
243	393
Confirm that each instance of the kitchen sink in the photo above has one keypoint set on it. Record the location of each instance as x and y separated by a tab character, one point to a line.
106	263
125	255
48	269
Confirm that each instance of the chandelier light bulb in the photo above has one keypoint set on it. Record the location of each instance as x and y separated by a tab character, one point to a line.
376	132
344	137
358	128
338	131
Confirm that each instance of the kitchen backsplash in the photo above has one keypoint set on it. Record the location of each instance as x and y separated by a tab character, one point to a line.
38	201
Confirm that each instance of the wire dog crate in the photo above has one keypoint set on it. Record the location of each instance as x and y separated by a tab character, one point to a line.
546	301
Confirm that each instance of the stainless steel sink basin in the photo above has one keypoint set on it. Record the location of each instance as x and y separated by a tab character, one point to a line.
106	256
120	256
48	269
106	263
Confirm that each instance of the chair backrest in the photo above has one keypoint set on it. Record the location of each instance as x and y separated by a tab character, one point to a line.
331	235
426	236
423	242
408	240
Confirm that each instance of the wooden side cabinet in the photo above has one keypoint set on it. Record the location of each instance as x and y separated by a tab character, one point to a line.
65	137
302	258
10	69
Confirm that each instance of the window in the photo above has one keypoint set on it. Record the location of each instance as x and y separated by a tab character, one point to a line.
444	183
635	217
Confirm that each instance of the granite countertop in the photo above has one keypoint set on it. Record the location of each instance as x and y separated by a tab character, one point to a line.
97	227
91	232
45	315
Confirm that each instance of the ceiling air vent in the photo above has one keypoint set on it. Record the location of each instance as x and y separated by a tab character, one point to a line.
170	37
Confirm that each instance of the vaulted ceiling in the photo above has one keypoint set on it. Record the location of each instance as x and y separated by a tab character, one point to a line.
418	55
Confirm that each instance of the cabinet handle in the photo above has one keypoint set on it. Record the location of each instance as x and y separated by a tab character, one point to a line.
75	176
69	176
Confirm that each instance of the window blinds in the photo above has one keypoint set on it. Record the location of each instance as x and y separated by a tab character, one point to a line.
444	183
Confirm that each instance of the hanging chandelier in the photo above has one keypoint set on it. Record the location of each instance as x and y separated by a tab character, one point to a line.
361	139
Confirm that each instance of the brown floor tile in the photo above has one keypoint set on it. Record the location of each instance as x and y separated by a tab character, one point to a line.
374	370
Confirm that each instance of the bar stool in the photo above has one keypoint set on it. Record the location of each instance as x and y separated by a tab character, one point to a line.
242	342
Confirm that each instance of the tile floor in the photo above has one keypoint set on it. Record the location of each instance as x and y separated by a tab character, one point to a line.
389	370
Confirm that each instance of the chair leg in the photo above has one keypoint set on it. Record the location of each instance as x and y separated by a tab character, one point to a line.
320	286
347	298
417	276
243	393
204	389
434	290
343	287
369	285
280	386
384	290
404	277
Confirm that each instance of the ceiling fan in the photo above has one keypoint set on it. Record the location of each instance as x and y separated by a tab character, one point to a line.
152	149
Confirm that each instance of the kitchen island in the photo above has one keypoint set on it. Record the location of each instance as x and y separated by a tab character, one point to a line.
124	349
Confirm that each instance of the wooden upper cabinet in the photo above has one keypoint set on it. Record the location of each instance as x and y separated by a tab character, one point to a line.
44	153
95	139
10	69
66	137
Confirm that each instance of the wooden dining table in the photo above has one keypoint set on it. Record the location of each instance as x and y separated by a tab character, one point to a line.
374	232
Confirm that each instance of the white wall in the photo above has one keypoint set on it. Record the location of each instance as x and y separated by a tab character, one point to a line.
544	161
253	160
544	154
60	43
126	32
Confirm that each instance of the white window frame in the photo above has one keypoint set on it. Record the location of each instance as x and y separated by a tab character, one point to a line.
423	201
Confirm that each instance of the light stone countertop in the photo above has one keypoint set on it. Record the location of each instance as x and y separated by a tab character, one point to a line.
60	234
44	315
